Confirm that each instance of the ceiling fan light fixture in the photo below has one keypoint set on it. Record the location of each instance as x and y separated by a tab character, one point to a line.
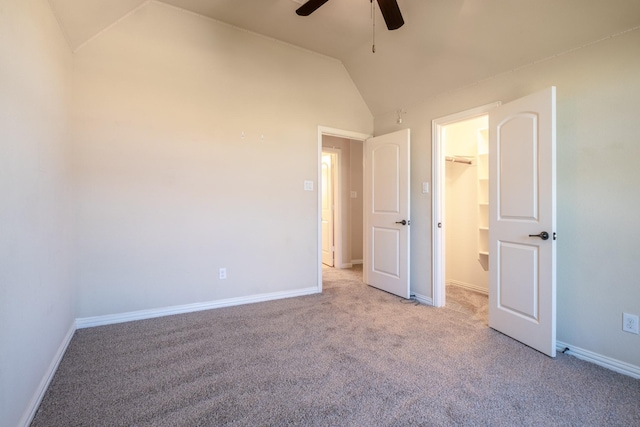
389	9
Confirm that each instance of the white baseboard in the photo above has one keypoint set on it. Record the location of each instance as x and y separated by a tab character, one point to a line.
345	265
109	319
469	286
600	360
423	299
356	261
34	403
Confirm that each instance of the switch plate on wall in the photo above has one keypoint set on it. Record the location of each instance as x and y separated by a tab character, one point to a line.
222	273
308	186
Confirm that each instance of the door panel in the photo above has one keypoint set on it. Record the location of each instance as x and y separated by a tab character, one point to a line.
386	205
518	191
522	266
386	247
385	179
518	283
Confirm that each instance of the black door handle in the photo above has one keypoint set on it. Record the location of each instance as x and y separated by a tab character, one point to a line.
544	235
403	222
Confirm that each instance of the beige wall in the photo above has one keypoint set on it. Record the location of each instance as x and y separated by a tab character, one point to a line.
598	200
37	298
169	190
357	212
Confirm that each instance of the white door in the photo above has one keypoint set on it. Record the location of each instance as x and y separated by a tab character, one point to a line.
522	263
327	209
386	206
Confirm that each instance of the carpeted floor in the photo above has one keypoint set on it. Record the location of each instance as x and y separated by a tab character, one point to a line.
471	303
352	356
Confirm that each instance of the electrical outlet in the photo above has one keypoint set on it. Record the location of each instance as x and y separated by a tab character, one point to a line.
630	323
222	273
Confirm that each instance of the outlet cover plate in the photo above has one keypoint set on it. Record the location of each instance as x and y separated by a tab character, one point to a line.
630	323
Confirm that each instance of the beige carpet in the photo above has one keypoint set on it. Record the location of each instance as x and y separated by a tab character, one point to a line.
471	303
352	356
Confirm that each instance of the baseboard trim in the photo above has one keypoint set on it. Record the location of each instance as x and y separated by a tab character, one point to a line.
604	361
469	286
356	261
110	319
423	299
35	401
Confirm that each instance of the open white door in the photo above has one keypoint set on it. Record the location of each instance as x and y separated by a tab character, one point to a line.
522	220
327	209
386	207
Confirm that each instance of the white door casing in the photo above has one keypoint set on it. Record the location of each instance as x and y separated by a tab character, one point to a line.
327	209
522	205
386	205
437	205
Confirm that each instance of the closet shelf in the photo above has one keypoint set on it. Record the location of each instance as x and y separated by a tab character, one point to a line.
483	198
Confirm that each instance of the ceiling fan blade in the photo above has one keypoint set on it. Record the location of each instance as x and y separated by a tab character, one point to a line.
309	7
391	13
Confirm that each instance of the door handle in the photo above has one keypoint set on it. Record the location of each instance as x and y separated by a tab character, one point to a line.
544	235
403	222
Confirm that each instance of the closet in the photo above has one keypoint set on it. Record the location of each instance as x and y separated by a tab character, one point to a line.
466	204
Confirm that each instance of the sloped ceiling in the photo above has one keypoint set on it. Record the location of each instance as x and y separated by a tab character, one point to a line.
444	44
83	19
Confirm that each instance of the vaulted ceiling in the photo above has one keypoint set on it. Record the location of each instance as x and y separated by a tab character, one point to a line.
444	44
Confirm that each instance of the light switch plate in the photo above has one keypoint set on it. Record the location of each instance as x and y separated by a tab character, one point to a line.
354	194
308	186
425	187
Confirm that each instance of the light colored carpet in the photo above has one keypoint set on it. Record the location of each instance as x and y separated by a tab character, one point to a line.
352	356
470	303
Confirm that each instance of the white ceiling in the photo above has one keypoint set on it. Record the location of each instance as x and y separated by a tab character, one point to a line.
444	44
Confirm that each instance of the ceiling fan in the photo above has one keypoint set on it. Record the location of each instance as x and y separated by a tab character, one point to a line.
389	8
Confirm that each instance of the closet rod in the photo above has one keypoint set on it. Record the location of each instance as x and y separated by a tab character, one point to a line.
458	159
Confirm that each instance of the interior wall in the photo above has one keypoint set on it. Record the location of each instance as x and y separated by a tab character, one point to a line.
192	142
357	210
461	206
598	98
37	303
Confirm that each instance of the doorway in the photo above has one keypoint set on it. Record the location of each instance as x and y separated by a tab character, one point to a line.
466	203
329	186
460	208
466	226
348	228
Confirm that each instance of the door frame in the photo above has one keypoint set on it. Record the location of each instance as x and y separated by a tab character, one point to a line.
438	288
336	211
340	133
